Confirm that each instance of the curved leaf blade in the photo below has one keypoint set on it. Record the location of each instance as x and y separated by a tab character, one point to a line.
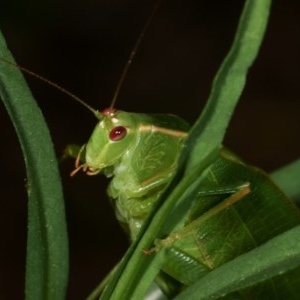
47	243
209	130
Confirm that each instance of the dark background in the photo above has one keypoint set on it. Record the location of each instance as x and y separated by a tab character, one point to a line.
84	46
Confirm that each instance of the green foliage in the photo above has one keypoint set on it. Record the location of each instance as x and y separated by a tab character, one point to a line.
287	179
47	255
47	243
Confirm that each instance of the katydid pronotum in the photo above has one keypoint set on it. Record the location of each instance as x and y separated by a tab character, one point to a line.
141	151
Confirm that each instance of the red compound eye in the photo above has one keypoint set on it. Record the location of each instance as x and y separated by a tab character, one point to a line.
117	133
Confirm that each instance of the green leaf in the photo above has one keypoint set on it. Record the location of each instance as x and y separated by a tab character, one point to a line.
47	244
229	82
287	179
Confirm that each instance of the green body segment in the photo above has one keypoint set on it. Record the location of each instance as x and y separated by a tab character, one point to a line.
140	153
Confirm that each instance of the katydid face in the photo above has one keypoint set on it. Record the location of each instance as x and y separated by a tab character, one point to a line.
113	136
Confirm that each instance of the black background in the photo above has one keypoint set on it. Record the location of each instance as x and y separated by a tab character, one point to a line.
84	46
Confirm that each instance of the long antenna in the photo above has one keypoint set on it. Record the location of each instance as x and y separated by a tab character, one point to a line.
120	82
132	54
51	83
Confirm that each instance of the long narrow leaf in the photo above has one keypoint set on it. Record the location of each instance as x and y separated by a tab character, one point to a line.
47	246
209	130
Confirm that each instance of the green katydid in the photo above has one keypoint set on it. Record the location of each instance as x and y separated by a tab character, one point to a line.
140	152
232	211
235	207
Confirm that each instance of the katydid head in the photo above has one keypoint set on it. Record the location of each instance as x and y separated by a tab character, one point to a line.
111	139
